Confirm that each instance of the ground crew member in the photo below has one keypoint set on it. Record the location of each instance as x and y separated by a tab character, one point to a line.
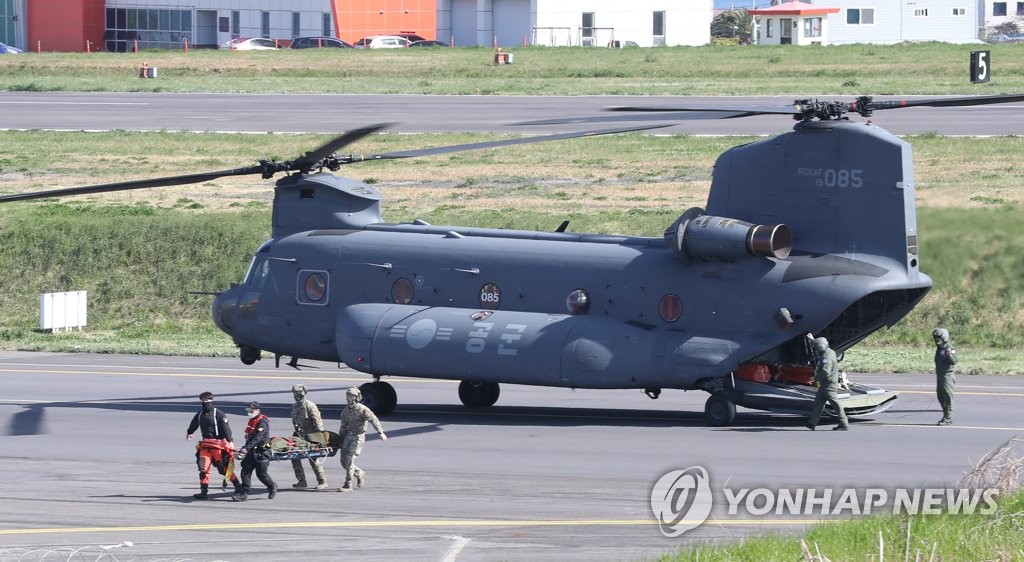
826	377
216	448
945	380
353	436
257	453
306	419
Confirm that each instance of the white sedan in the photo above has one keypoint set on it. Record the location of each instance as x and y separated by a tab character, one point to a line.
254	44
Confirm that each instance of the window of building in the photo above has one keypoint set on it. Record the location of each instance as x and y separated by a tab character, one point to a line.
812	27
265	25
151	29
587	29
659	29
921	12
769	28
959	11
236	24
326	31
296	24
860	16
999	8
1020	8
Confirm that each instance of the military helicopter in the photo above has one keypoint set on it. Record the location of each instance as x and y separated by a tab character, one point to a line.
812	231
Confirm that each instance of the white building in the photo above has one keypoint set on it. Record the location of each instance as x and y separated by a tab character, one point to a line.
996	12
793	23
896	21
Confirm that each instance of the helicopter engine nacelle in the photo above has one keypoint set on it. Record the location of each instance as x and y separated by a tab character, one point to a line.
695	235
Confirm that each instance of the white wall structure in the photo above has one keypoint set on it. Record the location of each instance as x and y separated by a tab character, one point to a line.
63	311
564	23
895	21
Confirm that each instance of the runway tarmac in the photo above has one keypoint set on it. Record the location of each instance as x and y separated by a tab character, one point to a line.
96	464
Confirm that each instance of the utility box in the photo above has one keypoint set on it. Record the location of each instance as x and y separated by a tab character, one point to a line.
62	311
502	58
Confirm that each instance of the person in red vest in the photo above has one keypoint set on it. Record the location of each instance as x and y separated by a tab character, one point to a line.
256	452
216	448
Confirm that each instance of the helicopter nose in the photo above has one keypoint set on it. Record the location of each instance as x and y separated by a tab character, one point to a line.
225	310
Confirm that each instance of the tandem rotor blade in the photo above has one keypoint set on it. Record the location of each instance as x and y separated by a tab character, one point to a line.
492	144
805	109
266	168
128	185
313	157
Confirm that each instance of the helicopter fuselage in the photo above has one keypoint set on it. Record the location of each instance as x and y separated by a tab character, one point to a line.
811	231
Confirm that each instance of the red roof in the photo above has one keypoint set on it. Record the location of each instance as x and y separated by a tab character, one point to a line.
794	8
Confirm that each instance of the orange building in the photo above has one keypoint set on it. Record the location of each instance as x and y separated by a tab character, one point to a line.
355	19
72	25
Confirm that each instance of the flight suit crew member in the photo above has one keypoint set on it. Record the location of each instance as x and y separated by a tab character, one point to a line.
826	377
945	380
306	419
257	453
216	448
353	436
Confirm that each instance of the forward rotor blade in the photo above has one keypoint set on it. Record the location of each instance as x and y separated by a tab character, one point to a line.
312	157
492	144
129	185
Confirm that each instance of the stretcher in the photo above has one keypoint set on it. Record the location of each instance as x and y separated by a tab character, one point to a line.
318	446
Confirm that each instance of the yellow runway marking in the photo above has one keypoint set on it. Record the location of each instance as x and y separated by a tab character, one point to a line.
385	524
966	393
947	427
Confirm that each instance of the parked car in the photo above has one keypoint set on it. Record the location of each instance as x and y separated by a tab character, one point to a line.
8	50
428	43
319	43
254	44
381	42
412	37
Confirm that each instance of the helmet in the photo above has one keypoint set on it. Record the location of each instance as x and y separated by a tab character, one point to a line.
353	395
941	335
820	344
254	405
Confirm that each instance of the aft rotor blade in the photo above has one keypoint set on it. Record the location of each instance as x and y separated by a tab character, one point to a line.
493	144
650	114
313	157
129	185
948	102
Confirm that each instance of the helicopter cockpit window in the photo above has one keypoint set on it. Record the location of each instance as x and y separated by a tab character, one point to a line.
670	308
259	272
313	287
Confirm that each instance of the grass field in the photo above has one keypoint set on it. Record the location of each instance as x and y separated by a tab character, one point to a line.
910	68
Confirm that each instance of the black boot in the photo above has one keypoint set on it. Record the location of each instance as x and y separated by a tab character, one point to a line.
204	492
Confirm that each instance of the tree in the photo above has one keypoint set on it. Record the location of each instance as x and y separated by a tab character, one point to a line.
733	24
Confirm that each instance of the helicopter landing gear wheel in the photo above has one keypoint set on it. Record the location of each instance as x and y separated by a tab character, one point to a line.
248	354
478	394
379	397
719	410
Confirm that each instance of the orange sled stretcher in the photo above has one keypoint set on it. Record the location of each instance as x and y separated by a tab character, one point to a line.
317	445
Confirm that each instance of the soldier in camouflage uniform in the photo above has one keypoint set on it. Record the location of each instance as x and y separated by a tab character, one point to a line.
945	380
306	419
826	376
353	435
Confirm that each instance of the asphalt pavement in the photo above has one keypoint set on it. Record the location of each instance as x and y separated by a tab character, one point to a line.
96	464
